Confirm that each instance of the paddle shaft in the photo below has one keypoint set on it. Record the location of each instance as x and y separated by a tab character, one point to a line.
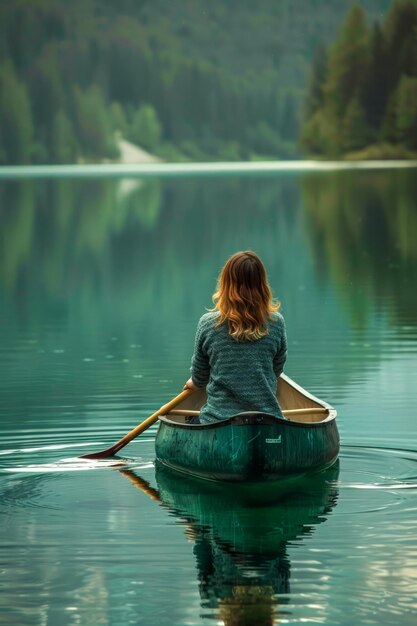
140	428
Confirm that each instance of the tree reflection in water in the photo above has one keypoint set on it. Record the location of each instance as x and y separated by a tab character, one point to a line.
362	230
109	239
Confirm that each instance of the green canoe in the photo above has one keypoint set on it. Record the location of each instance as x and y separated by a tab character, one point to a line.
251	446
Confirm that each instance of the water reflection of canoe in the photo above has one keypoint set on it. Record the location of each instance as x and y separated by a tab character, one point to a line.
251	446
252	518
240	534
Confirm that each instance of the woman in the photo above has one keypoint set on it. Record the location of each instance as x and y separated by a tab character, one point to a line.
240	346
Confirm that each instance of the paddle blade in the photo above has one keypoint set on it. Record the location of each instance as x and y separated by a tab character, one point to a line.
104	454
140	428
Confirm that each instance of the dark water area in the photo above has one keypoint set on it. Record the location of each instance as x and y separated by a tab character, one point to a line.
101	286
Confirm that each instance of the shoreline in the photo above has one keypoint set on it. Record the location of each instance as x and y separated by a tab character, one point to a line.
164	169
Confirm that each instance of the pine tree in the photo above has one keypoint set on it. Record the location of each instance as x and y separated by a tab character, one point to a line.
289	118
64	145
16	127
347	59
315	95
118	118
146	129
355	132
375	89
321	135
388	130
406	112
92	123
401	35
46	89
370	92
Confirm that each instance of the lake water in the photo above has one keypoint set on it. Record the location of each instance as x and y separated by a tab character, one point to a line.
101	286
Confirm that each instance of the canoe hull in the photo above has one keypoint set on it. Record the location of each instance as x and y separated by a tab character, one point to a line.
250	447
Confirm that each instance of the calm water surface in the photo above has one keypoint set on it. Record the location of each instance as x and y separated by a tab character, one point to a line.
101	286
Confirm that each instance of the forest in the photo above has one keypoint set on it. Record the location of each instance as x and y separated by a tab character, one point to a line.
362	96
196	81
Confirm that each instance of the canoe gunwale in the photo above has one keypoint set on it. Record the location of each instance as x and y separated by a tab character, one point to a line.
307	394
249	419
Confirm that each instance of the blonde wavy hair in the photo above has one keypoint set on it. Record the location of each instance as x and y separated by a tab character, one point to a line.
243	297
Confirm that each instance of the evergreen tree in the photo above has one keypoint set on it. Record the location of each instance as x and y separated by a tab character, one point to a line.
146	128
370	90
401	34
118	118
406	112
375	89
355	132
46	88
92	122
127	59
289	118
321	134
315	95
389	122
64	146
311	139
264	139
16	127
347	59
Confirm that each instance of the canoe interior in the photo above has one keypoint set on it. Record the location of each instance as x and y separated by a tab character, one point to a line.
289	395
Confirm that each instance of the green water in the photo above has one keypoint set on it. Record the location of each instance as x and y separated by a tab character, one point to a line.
101	286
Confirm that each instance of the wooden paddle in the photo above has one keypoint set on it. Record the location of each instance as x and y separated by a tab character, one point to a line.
140	428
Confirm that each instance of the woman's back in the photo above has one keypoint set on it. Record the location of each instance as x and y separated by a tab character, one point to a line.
240	375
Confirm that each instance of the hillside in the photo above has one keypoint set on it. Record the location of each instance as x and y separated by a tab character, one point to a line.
187	80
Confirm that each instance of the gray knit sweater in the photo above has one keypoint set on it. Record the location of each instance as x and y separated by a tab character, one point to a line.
240	375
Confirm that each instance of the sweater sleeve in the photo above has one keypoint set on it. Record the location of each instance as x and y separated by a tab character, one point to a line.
281	354
200	367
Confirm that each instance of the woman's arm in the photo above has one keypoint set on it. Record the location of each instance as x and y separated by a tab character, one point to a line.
200	367
281	355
